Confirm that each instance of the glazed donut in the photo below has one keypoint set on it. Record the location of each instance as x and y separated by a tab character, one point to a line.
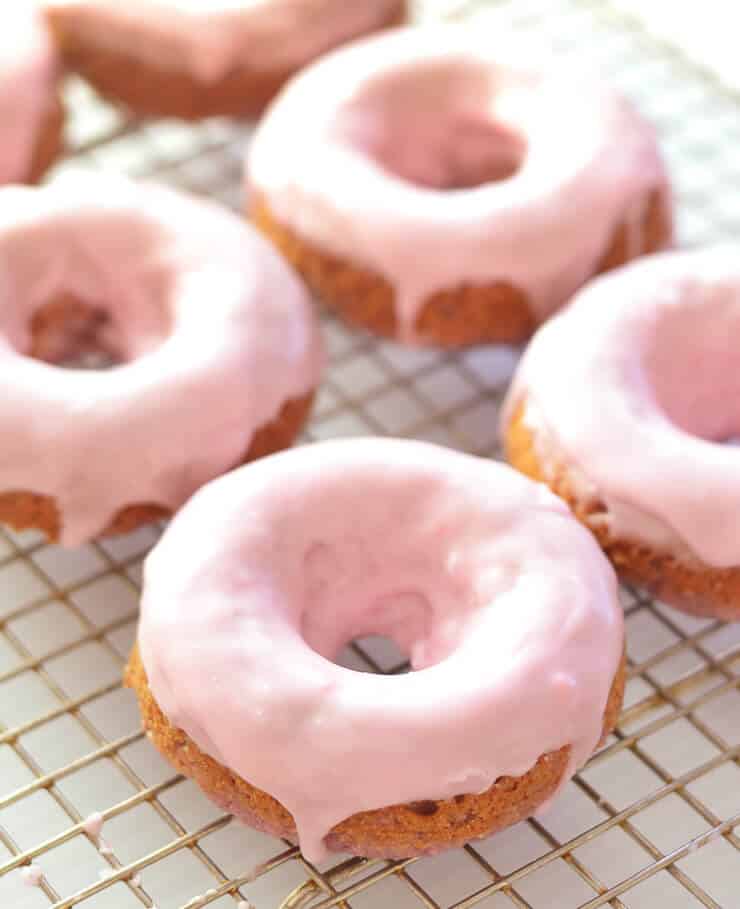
504	604
447	194
204	58
214	341
31	114
628	426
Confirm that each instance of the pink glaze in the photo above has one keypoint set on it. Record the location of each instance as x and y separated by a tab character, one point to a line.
32	875
503	602
211	37
634	387
93	825
214	332
399	121
29	73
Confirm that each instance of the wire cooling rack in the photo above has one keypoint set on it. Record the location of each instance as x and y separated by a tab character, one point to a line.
651	822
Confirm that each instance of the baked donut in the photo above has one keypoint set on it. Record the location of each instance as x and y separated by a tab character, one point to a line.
447	194
214	342
204	58
621	405
31	113
504	604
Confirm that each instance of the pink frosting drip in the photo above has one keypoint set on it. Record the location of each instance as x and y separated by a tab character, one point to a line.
398	121
29	72
93	825
640	413
215	334
32	875
211	37
504	603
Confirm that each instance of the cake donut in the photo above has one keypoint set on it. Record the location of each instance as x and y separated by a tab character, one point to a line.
447	193
31	113
503	602
204	58
213	341
622	405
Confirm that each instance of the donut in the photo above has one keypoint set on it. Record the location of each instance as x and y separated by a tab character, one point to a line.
31	113
503	602
213	345
447	193
628	426
199	58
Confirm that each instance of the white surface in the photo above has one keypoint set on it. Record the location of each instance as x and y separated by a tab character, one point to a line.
706	31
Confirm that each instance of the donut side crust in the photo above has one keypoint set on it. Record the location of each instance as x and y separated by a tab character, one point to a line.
149	91
454	317
398	831
694	587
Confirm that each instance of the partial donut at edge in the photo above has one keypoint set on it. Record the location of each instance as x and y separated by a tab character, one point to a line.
695	588
148	91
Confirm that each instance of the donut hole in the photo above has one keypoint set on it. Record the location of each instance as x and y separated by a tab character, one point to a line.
438	127
407	594
391	629
71	334
74	335
692	365
374	653
93	289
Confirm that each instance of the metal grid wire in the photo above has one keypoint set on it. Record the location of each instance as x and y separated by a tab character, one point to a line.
650	822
